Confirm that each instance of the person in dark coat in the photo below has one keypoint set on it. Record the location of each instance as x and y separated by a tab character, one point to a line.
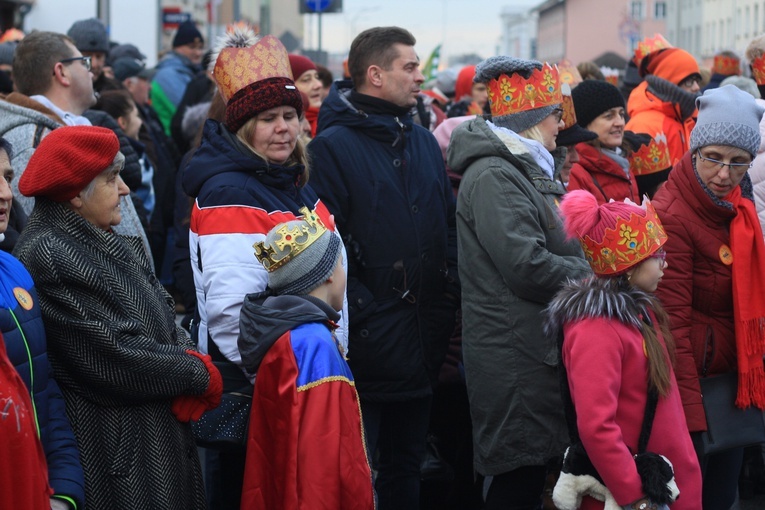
383	178
133	385
22	328
713	288
514	257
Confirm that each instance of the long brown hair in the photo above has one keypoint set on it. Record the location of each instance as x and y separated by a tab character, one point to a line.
659	371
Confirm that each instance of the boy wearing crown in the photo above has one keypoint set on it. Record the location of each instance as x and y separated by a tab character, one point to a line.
305	445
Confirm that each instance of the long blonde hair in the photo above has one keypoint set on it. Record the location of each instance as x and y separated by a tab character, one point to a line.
299	154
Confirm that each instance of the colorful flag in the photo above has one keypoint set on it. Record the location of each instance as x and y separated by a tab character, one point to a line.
431	65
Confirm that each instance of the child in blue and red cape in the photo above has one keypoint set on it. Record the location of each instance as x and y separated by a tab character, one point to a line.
305	445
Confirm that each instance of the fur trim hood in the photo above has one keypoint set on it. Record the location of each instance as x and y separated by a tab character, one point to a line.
611	298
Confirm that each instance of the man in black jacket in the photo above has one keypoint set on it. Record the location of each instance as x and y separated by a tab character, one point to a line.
383	178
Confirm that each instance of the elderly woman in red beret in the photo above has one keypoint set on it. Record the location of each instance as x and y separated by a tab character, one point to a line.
130	378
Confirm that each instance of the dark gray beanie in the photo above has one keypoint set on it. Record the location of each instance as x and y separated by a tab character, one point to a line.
727	116
89	35
311	266
491	68
125	50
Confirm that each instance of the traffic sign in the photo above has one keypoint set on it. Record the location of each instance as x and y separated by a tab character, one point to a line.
320	6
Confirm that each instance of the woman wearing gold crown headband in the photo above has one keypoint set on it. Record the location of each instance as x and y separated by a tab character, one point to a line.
513	259
616	352
249	174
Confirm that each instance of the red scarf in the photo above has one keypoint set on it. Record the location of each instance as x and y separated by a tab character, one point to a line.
312	116
748	272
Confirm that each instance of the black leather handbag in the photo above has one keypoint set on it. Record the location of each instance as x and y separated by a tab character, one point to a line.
728	426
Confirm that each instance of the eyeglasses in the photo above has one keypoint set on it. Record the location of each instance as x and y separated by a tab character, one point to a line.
558	112
659	254
713	164
691	81
85	61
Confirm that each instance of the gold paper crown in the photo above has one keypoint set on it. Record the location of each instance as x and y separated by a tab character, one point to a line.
568	73
648	46
628	243
514	94
567	103
236	68
758	69
651	158
288	242
727	66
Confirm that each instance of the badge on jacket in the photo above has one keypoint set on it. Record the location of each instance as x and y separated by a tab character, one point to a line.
23	297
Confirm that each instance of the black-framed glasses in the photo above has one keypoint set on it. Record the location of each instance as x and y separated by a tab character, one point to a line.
558	112
690	81
718	165
85	61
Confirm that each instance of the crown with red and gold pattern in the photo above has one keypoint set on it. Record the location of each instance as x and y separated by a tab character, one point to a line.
567	103
758	69
726	65
648	46
630	241
568	73
235	68
651	157
514	94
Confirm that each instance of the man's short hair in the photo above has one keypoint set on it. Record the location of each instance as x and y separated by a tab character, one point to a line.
36	56
375	46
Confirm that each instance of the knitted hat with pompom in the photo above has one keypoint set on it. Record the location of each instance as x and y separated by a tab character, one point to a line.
615	236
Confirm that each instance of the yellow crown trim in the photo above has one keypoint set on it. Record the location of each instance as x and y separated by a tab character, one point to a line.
288	242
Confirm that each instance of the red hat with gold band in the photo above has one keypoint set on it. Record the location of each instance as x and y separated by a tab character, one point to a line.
522	93
651	157
513	93
568	73
615	236
648	46
726	64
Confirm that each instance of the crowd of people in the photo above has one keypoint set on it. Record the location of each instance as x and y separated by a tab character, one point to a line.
396	294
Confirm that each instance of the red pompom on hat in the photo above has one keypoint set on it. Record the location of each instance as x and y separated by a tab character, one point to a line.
67	160
300	64
614	236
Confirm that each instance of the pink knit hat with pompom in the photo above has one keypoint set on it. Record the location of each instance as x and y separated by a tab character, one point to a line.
614	236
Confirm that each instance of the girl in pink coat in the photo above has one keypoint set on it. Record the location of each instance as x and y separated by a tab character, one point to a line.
616	347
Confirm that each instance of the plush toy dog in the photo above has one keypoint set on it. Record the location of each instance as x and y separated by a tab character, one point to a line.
578	478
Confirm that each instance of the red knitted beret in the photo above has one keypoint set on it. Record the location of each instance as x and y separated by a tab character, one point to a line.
261	96
67	160
300	64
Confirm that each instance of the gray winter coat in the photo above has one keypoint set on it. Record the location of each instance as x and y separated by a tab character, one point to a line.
513	258
119	360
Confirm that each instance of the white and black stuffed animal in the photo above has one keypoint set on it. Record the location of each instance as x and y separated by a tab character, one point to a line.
579	478
658	477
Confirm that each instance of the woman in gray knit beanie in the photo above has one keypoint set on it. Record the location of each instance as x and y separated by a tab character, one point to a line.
513	258
714	284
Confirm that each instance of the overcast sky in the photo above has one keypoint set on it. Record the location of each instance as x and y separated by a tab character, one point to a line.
461	26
